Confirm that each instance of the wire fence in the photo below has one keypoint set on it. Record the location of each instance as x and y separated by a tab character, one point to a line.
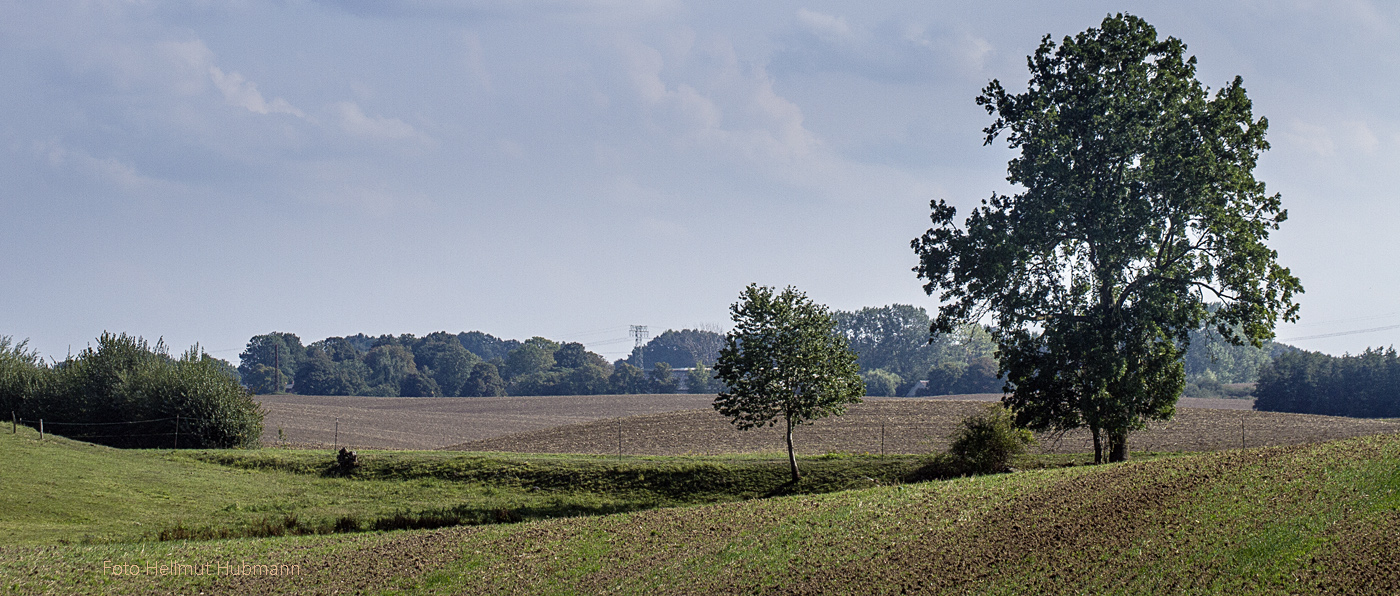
148	433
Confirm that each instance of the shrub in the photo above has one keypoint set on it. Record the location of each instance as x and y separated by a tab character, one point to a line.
127	393
986	442
881	383
20	373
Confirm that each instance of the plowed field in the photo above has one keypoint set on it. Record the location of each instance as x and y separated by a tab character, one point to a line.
686	424
912	426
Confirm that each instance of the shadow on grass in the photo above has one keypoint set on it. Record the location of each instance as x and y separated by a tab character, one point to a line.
461	515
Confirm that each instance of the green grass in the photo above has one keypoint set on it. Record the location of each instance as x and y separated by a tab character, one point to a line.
62	491
1318	518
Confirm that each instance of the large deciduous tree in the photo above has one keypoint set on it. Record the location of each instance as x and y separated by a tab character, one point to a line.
784	361
1139	206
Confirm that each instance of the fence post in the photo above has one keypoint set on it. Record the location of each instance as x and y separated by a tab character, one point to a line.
14	423
882	440
1242	446
619	439
41	429
336	441
177	431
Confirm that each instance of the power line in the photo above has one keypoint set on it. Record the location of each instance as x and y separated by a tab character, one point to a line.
1341	333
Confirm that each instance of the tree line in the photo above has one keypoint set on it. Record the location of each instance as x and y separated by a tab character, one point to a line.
125	392
468	364
1366	385
896	352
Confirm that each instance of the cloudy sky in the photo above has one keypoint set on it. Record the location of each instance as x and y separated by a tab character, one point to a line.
206	171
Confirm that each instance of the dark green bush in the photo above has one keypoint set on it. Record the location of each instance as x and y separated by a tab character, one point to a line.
987	441
127	393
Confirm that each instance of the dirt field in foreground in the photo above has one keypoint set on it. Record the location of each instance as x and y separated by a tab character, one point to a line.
912	426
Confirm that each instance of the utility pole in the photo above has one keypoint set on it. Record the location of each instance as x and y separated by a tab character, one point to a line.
277	365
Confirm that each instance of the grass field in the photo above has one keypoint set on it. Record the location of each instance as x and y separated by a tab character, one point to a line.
62	491
1309	518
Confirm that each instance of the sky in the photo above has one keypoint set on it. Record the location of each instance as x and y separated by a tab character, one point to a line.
205	171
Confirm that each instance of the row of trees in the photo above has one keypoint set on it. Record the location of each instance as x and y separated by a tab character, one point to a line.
1365	385
127	393
471	364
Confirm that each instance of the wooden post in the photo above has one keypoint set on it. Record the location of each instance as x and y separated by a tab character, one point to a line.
619	439
177	431
335	442
14	423
1242	431
882	440
41	429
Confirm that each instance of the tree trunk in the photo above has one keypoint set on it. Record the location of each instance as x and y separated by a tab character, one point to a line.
1098	444
792	458
1118	447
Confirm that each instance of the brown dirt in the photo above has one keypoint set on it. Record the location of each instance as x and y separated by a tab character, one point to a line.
433	422
912	426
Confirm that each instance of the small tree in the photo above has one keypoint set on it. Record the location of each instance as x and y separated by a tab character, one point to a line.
986	441
663	379
881	383
784	360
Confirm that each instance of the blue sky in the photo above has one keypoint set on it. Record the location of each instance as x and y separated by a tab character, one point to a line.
206	171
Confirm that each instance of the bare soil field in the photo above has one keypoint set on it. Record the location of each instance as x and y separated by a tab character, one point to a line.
912	426
434	422
686	424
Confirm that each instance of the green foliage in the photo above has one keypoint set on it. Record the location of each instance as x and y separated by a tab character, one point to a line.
626	378
701	379
663	379
1366	385
1139	200
679	348
893	338
784	360
484	381
1211	360
486	346
987	442
127	393
280	354
319	374
417	384
21	372
389	365
442	358
880	383
534	356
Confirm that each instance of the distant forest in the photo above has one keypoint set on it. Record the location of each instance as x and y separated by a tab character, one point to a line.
1366	385
892	343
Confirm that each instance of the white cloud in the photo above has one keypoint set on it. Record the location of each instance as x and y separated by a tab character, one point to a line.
244	93
354	121
722	104
1346	137
824	25
108	171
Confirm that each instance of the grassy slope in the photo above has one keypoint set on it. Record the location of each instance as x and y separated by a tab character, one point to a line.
1303	519
1310	518
66	491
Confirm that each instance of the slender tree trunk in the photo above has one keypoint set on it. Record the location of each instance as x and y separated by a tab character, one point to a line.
1098	444
1118	447
792	458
